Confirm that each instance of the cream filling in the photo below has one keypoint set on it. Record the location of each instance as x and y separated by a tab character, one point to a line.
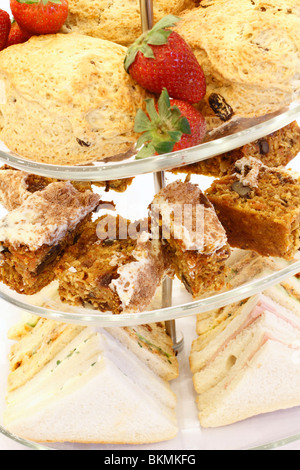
196	226
129	274
249	168
29	224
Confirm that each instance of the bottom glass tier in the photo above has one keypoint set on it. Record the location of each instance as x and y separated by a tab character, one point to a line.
248	275
267	431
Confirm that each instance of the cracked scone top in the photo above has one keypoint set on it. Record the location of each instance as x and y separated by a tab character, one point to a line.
249	51
117	20
76	107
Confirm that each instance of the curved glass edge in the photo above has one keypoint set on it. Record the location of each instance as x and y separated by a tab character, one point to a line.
23	442
278	443
131	168
98	319
36	446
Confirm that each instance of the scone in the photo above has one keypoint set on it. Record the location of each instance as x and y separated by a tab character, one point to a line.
249	51
116	20
76	107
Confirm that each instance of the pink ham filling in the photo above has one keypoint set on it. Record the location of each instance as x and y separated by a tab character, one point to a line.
267	337
261	307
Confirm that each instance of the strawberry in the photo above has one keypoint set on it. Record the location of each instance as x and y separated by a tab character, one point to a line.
161	58
17	35
5	25
40	16
168	126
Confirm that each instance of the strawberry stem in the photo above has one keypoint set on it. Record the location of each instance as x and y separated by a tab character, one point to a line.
157	36
161	127
34	2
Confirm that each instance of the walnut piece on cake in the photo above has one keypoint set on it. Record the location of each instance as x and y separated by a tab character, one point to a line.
260	208
195	242
34	236
109	270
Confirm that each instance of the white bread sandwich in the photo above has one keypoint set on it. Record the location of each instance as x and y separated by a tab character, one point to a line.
247	361
151	345
91	390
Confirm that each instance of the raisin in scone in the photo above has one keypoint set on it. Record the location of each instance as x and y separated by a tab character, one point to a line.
116	20
76	107
249	51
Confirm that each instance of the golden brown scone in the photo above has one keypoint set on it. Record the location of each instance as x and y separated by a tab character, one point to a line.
249	51
117	20
76	107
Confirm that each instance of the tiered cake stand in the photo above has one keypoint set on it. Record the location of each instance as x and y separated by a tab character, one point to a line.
173	303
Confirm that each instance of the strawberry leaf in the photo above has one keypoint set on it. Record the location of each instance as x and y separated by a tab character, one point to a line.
166	22
164	147
147	151
162	126
33	2
164	103
175	136
147	51
146	137
151	110
142	122
184	126
157	36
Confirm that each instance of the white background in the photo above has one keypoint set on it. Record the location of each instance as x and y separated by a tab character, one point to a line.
7	444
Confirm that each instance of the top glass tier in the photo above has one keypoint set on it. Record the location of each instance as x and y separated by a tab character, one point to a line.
227	137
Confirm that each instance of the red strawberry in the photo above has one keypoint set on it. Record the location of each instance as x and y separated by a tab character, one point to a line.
169	126
5	25
40	16
162	59
17	35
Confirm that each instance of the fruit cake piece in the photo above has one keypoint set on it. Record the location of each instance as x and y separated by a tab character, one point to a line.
110	270
259	207
274	150
118	20
249	52
119	186
34	235
16	186
80	101
195	242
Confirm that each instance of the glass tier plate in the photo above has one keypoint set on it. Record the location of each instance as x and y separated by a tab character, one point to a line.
260	273
229	136
47	303
269	431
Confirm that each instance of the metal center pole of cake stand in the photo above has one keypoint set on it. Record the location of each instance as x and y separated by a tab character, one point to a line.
146	9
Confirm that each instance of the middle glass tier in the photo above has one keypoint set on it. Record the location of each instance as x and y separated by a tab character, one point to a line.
248	274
